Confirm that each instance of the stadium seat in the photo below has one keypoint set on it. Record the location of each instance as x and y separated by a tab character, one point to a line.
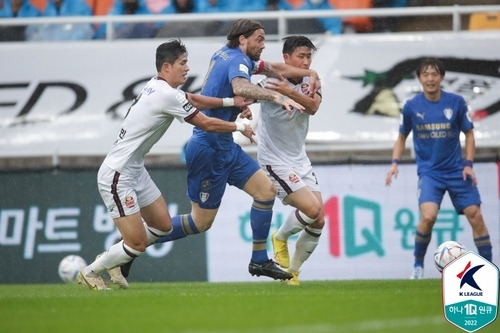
39	4
484	21
358	23
100	7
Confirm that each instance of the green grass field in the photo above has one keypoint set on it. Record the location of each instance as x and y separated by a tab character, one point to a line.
315	306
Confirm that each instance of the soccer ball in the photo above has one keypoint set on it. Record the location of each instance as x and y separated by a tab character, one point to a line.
70	266
446	253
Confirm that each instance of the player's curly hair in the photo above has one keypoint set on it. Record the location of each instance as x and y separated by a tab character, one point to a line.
169	52
243	27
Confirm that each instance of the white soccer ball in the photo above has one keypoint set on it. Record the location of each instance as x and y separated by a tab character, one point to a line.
70	266
446	253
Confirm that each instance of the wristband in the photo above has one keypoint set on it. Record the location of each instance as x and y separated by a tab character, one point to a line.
468	163
395	160
240	127
227	101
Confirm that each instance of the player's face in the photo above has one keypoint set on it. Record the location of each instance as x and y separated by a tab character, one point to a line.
254	44
180	70
430	79
301	57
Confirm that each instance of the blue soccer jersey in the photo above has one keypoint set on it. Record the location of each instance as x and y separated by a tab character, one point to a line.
225	65
436	130
214	159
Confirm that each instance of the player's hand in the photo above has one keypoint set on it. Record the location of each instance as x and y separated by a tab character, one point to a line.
288	104
393	172
242	102
246	113
468	172
279	86
248	132
315	83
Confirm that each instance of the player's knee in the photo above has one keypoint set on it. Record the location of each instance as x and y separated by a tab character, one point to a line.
319	223
203	224
312	211
135	248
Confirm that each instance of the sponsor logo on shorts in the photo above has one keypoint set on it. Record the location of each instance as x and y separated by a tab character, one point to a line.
204	196
205	185
293	178
129	202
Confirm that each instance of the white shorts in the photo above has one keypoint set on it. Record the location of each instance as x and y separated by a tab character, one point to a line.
288	180
123	194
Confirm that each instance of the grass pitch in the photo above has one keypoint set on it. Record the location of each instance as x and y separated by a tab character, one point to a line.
315	306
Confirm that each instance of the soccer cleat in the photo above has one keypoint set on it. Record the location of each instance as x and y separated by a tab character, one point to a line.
268	268
280	251
93	283
116	276
294	281
418	273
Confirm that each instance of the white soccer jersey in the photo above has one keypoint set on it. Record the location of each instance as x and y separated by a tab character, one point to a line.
146	121
282	136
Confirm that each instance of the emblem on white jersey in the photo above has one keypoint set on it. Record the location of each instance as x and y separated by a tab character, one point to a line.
244	69
204	196
304	87
448	112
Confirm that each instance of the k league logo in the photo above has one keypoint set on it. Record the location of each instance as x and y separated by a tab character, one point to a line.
470	292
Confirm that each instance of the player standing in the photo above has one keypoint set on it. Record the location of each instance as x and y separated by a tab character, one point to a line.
282	156
436	118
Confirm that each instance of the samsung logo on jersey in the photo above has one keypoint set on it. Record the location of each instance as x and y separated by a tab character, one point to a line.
433	127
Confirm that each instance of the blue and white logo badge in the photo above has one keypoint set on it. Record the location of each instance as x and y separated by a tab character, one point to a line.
470	292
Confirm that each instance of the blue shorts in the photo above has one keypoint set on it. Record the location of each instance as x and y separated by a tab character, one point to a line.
462	193
209	171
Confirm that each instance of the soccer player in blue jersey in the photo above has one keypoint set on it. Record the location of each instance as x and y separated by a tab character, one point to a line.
436	118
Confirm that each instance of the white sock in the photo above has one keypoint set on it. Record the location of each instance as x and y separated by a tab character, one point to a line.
304	247
117	255
294	223
153	234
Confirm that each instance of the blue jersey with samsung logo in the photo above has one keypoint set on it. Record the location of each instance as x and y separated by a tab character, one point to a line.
225	65
436	130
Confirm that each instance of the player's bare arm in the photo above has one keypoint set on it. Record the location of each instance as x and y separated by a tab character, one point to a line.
397	152
310	103
205	102
245	88
470	148
277	69
210	124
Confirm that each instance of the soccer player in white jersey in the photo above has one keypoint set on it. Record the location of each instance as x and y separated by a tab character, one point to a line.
282	155
438	154
126	187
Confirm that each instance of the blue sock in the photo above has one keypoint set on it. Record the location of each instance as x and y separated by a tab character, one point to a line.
483	245
182	226
261	214
421	243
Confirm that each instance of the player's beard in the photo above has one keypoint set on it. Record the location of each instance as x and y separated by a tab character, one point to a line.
255	56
